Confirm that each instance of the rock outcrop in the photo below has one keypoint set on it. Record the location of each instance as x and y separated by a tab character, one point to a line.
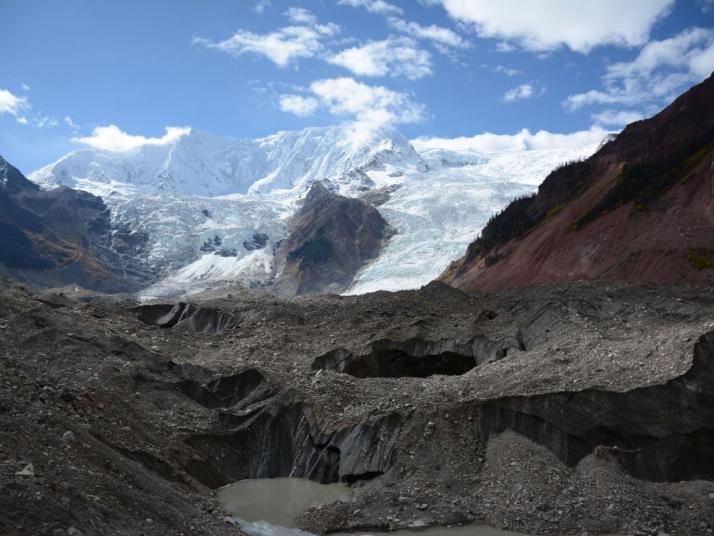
186	316
640	209
331	238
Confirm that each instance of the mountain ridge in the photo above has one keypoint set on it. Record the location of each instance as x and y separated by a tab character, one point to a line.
166	217
640	209
206	164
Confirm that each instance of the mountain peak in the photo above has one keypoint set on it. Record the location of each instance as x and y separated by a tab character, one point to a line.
207	164
12	179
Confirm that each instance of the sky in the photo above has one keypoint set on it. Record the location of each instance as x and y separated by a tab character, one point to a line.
118	73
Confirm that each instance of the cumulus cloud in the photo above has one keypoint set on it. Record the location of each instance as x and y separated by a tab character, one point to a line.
369	104
112	138
298	105
282	46
261	6
13	105
522	92
436	34
616	118
508	71
549	24
374	6
390	57
45	121
520	141
300	15
660	71
366	107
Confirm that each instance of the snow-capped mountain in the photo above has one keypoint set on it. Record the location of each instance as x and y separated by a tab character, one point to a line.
204	164
213	209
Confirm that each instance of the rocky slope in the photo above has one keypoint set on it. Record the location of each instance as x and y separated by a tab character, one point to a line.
563	410
640	209
52	238
331	238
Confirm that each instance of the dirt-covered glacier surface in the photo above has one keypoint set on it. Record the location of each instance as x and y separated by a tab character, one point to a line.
581	409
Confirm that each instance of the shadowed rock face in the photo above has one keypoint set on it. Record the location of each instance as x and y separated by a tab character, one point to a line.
331	238
186	316
244	388
59	237
283	439
415	357
640	209
661	432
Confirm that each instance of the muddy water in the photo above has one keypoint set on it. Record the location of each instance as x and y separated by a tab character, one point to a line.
278	501
469	530
269	507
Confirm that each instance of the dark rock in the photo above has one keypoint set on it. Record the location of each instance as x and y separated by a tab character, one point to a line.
284	439
186	316
415	357
380	196
128	241
257	241
227	252
331	238
246	387
655	432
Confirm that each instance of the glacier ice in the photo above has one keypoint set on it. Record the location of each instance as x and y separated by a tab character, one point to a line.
202	185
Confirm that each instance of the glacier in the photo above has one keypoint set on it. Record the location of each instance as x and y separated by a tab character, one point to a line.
183	194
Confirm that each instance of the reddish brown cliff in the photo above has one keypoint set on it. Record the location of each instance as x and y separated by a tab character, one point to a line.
640	209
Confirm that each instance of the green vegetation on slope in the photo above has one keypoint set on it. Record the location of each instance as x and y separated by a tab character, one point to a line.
646	182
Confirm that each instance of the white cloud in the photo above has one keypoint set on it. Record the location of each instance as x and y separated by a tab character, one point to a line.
300	15
25	87
660	71
370	106
112	138
503	46
374	6
261	6
436	34
298	105
543	25
45	121
616	118
508	71
70	122
282	46
707	6
522	92
13	105
391	57
520	141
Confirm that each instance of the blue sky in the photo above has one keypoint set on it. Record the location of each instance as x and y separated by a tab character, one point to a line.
70	70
